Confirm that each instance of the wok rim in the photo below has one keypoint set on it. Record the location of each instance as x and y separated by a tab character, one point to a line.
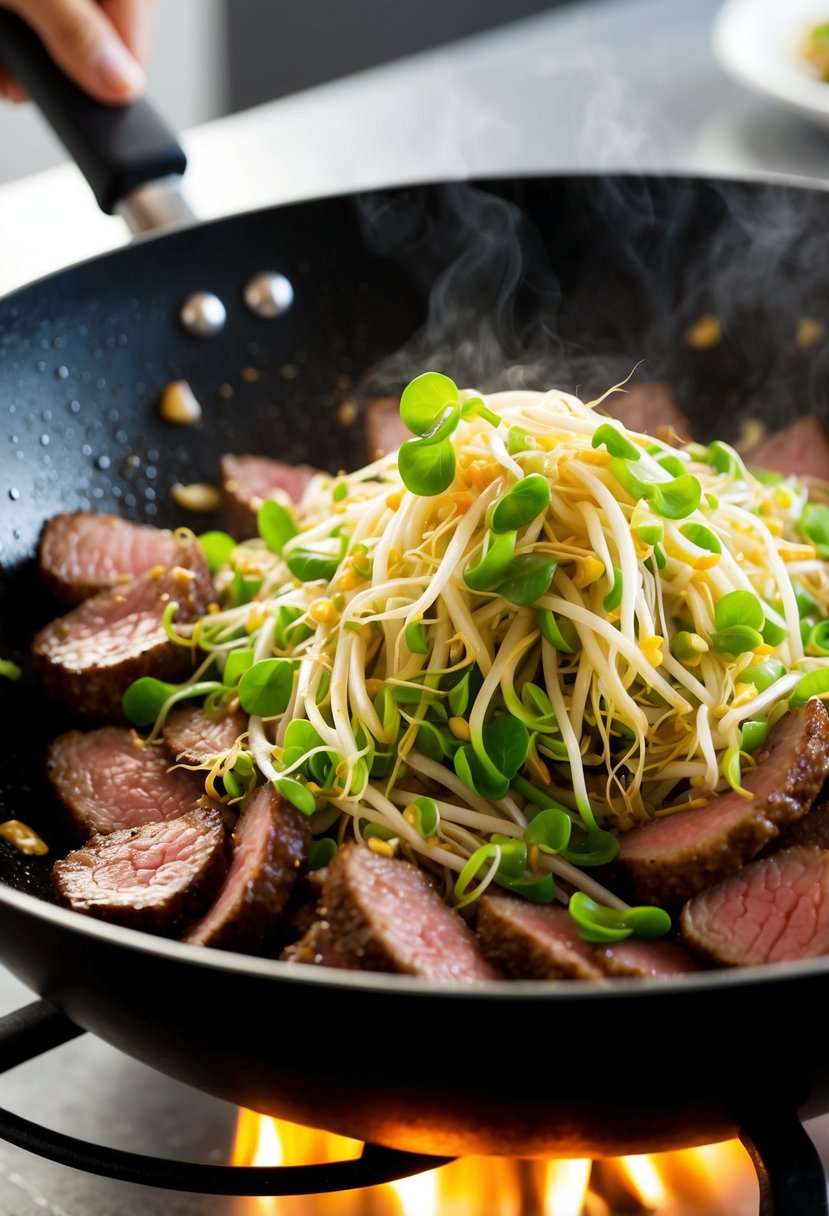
753	177
386	983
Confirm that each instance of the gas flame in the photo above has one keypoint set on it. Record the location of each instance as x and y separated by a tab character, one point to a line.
717	1179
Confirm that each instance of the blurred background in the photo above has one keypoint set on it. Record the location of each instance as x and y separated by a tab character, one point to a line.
214	57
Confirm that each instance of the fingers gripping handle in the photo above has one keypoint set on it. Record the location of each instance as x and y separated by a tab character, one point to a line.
117	148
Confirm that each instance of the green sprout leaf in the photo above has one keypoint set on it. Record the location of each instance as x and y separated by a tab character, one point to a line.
536	890
236	664
677	498
417	638
818	639
9	670
496	555
736	640
527	578
549	830
559	632
521	504
724	459
763	675
739	608
265	688
321	853
814	524
815	684
217	548
702	537
276	525
753	735
425	399
599	924
243	590
614	597
426	468
312	565
297	794
424	816
616	442
145	698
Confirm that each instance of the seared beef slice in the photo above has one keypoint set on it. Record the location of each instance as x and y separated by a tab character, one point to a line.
385	915
248	480
82	553
533	941
89	658
773	910
193	737
106	780
157	877
801	448
649	407
670	859
270	852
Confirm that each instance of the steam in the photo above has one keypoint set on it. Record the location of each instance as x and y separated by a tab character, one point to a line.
572	284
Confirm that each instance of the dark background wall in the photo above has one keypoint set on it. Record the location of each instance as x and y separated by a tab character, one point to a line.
278	48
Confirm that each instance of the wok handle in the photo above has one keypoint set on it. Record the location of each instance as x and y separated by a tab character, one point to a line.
789	1170
117	148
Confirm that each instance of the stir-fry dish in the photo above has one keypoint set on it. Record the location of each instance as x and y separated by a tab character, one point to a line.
815	49
534	694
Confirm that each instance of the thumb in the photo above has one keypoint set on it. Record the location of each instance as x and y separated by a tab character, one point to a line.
85	44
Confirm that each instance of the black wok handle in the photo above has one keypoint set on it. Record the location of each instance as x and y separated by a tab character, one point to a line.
117	148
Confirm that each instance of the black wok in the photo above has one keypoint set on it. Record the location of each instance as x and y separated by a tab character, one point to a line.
576	278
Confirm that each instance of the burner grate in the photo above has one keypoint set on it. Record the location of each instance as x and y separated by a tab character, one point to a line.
791	1177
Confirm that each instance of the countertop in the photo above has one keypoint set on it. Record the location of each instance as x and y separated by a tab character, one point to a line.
606	84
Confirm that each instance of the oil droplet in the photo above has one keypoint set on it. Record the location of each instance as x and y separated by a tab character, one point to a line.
14	493
103	462
23	838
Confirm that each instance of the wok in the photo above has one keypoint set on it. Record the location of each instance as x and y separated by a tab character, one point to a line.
572	278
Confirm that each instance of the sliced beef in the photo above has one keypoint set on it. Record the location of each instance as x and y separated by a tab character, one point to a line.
385	915
533	941
811	829
648	960
385	429
773	910
270	851
89	658
82	553
801	448
649	408
317	948
194	736
670	859
106	780
248	480
157	877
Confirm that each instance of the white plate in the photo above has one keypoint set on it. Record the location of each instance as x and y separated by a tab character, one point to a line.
757	42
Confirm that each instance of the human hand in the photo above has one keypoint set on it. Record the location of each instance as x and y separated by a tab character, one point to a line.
103	45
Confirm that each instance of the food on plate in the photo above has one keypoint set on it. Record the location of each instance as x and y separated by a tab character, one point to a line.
815	49
470	700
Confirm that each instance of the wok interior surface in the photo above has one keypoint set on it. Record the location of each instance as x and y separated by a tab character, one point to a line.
549	282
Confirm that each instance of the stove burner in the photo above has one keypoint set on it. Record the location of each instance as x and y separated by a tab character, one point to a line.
788	1167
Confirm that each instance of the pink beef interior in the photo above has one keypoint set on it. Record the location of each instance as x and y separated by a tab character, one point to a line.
252	845
109	783
115	626
773	910
400	906
256	477
96	549
157	863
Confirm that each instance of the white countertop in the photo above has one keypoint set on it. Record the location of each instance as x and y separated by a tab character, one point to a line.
607	84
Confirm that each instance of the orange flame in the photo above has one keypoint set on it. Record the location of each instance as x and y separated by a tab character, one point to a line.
717	1179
